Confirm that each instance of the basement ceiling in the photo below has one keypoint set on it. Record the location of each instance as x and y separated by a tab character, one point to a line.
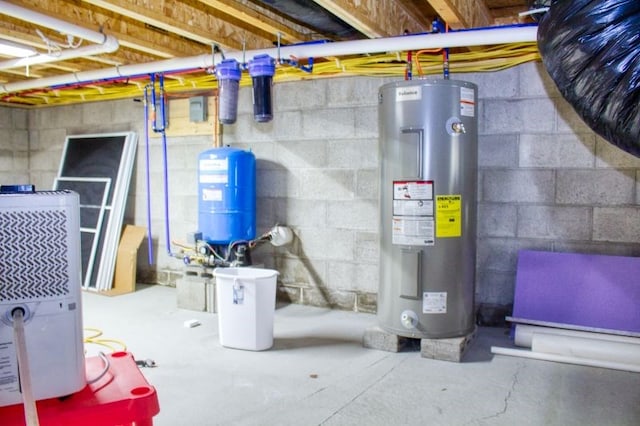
154	30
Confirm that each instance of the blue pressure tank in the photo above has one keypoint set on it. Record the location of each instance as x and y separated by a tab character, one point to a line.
226	195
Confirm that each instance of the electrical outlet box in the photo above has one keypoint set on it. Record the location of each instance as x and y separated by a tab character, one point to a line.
198	108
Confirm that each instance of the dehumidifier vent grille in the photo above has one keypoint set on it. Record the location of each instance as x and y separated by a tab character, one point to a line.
33	254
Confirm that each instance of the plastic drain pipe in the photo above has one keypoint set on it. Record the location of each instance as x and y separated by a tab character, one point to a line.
478	37
24	371
104	43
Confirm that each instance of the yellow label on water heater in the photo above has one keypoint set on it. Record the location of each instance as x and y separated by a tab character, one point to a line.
448	216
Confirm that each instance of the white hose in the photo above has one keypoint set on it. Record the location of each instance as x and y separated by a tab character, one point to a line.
30	411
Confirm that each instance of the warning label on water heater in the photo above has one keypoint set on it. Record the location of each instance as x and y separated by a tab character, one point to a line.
467	102
448	216
434	302
413	213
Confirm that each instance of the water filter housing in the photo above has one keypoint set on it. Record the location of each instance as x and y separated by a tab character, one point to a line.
428	185
40	273
226	195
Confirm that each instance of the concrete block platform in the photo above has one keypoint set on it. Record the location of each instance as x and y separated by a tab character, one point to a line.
450	349
196	290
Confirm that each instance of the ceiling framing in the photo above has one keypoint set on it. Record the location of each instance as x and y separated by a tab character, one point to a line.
153	30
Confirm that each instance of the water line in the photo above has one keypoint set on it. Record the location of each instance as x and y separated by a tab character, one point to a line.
165	169
148	177
467	38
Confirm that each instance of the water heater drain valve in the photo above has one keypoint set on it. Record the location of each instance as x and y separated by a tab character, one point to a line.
409	319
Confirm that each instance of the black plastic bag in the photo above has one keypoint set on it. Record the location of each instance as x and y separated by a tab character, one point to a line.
591	49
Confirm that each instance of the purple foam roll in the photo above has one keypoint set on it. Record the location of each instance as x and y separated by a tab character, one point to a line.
578	290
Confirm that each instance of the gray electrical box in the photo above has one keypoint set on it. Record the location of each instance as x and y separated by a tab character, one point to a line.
198	108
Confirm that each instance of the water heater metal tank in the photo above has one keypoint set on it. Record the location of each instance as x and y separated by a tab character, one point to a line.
428	151
226	195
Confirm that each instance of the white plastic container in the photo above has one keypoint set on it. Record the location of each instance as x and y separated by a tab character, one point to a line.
246	306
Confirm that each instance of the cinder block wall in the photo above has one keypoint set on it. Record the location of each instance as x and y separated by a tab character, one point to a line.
545	182
14	146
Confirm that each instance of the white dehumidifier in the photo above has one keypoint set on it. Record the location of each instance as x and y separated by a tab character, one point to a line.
40	274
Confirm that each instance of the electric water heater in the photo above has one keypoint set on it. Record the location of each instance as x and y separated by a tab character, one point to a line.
428	185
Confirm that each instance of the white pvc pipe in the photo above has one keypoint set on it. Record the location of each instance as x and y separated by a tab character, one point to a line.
63	27
110	45
498	35
564	359
524	335
581	347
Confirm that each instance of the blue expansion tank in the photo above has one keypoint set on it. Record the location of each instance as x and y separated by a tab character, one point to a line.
226	195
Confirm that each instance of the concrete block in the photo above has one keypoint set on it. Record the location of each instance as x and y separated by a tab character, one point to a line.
287	125
367	185
191	294
352	276
571	223
361	215
495	287
595	187
501	254
376	338
499	84
610	156
367	122
6	159
353	91
19	118
568	120
535	81
126	111
6	118
327	184
302	213
276	183
451	349
302	154
367	303
47	139
498	150
295	96
353	153
97	113
557	151
300	272
329	123
535	115
619	224
367	247
328	243
19	140
211	302
528	186
329	298
497	220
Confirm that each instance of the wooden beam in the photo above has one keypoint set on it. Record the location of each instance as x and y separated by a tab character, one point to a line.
130	34
461	14
259	19
185	20
374	18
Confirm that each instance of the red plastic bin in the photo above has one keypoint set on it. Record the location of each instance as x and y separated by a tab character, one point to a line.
122	397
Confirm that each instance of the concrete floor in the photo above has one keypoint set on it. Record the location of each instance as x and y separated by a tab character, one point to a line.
318	373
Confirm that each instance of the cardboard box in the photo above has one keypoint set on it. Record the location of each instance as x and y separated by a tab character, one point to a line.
124	279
